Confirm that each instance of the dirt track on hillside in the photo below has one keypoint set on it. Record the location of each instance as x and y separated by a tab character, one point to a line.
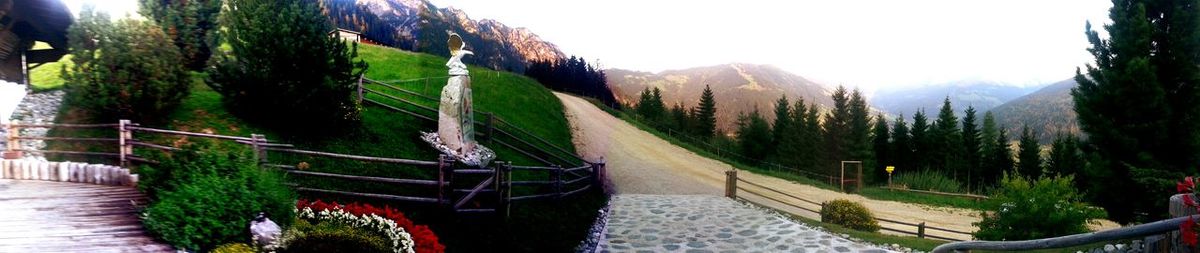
641	163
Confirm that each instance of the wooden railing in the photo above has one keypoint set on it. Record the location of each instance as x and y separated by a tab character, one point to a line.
498	185
733	187
1154	229
490	129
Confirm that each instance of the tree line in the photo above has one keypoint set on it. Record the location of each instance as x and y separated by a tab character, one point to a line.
806	136
573	75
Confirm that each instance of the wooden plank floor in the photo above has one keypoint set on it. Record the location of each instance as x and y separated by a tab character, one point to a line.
41	216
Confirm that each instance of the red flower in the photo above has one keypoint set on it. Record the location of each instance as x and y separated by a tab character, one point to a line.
426	241
1188	234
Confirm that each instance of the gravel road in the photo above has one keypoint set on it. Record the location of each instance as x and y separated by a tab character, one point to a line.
641	163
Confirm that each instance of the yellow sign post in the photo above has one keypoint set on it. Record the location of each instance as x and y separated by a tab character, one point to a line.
889	170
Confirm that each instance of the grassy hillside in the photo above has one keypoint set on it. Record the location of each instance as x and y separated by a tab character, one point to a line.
548	226
48	76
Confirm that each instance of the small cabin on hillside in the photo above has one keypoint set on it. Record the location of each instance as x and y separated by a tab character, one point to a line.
347	35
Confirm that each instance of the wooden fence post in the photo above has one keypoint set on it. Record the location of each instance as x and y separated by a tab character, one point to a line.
360	89
489	126
598	174
921	230
556	177
259	150
731	184
860	178
13	143
445	177
504	188
124	139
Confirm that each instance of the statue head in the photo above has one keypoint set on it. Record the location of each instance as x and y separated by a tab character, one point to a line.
456	43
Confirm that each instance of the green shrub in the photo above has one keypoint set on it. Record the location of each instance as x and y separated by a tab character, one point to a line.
128	69
306	237
284	68
927	180
204	199
1031	209
234	248
849	214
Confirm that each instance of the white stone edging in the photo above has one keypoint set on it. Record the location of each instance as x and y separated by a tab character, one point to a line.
28	169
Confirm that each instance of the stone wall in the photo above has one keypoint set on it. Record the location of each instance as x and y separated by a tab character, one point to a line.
28	169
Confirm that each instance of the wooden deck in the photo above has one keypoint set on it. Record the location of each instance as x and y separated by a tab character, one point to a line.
42	216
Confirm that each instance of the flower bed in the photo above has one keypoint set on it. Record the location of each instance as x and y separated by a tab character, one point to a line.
405	235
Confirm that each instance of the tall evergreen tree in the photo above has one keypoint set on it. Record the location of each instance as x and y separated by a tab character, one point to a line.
812	137
1002	158
987	150
858	146
971	149
706	114
679	117
947	149
921	141
836	131
754	133
1065	157
902	152
781	126
192	25
794	150
883	149
1140	103
1030	155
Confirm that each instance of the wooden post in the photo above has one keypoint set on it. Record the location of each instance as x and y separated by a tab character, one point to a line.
124	138
259	150
489	126
860	179
731	183
503	188
13	143
556	177
921	230
445	175
598	174
360	89
1177	208
842	179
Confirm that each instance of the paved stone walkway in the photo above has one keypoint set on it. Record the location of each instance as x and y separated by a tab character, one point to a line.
704	223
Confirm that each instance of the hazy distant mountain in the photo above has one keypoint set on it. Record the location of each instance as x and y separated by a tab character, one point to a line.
418	25
736	87
982	95
1048	111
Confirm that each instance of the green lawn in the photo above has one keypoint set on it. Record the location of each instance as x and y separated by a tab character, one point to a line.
537	226
48	76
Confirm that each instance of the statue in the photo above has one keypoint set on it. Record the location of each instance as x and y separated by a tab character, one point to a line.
456	120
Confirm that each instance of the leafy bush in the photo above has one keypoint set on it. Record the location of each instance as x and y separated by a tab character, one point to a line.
204	199
128	69
927	180
1030	209
234	248
284	68
332	237
850	214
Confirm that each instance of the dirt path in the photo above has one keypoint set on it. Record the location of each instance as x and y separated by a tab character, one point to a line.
641	163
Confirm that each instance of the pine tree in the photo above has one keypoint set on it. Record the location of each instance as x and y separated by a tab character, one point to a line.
859	139
948	142
794	149
645	103
1030	155
679	117
836	132
902	145
971	149
192	25
781	126
883	148
1139	103
754	133
987	151
706	114
1065	157
1003	158
298	78
921	141
812	139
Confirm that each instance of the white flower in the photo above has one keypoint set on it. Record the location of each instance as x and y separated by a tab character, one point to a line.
402	242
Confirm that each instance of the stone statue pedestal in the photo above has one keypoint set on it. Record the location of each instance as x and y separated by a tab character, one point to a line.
456	116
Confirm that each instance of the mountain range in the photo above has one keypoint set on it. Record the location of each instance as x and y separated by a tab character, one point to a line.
737	88
1048	111
982	95
418	25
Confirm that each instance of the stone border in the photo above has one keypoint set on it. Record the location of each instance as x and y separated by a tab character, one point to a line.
599	228
28	169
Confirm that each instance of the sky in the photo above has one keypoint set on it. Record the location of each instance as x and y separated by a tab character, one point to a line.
867	44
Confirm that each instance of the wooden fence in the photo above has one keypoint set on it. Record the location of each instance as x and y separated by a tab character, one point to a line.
733	187
490	129
498	184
